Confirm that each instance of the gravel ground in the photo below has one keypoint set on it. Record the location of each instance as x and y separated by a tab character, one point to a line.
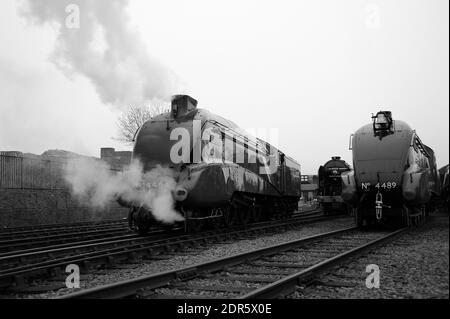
210	252
415	265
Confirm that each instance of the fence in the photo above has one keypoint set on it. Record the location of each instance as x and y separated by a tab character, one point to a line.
21	172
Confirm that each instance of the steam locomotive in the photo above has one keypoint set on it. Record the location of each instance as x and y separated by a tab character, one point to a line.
395	179
224	176
444	177
329	192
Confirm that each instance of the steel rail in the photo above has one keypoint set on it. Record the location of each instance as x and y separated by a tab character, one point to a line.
66	245
11	238
60	231
56	227
133	245
107	256
131	287
115	240
288	284
11	244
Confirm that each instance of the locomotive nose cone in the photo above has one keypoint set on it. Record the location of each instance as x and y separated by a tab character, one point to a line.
180	194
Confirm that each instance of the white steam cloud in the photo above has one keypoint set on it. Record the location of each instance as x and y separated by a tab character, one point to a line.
95	39
93	181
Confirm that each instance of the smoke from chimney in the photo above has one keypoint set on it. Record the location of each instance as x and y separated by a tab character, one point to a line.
95	39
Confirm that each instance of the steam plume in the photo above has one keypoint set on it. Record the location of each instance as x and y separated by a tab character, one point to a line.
93	181
105	49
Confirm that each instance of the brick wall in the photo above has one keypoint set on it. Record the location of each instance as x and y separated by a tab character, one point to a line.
116	159
23	207
33	191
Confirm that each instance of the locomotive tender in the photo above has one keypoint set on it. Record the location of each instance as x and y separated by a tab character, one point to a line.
395	178
224	176
330	185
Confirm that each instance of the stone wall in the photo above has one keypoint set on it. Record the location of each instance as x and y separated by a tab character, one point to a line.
25	207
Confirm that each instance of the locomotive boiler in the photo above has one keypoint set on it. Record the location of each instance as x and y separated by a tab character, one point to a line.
224	176
395	179
330	186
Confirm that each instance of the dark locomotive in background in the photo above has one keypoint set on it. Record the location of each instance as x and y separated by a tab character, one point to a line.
330	186
216	191
444	177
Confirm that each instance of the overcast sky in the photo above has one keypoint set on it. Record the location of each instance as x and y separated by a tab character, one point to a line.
315	70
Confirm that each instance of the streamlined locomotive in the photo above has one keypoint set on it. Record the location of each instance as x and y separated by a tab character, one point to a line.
329	192
444	177
394	177
224	176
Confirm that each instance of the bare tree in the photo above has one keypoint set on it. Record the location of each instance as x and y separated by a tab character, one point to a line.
134	117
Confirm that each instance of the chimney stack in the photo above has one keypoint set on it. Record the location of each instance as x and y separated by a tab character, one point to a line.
182	104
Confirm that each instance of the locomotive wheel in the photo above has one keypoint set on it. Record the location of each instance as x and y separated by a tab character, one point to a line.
140	222
256	213
229	216
286	210
217	216
287	214
424	215
414	217
348	210
406	219
278	211
194	226
216	223
283	210
131	213
142	229
326	209
415	221
420	218
358	217
244	216
168	227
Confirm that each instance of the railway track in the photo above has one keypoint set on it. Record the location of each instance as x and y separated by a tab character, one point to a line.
17	244
21	238
18	268
51	236
264	273
30	231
